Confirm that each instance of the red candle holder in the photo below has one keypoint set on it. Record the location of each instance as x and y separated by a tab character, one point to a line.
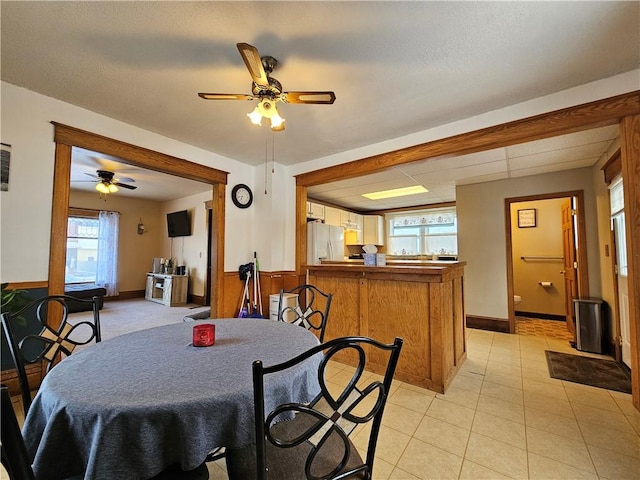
204	335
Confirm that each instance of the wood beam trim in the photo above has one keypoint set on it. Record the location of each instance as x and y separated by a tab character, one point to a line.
630	153
599	113
137	156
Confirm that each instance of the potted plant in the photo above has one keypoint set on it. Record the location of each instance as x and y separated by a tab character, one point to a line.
169	266
13	300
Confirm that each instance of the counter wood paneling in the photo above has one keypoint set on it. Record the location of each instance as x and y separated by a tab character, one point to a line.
422	304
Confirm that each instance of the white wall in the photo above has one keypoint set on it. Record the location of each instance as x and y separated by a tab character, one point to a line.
481	234
25	210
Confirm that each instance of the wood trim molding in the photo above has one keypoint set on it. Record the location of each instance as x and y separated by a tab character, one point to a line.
67	137
599	113
488	323
613	167
630	152
138	156
27	285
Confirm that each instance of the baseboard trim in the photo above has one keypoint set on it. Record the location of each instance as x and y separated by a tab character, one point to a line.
541	316
127	295
488	323
197	299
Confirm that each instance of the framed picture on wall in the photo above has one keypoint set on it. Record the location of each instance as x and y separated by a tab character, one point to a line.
527	218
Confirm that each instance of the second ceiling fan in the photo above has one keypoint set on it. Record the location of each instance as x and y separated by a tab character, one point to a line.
268	90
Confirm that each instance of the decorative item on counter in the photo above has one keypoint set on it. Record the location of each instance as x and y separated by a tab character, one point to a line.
204	335
370	252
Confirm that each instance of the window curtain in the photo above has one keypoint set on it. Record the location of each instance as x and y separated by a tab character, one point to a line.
107	268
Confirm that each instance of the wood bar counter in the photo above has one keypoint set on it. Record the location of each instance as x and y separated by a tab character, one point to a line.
423	304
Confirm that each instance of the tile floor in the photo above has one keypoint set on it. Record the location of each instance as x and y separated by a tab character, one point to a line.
542	328
504	417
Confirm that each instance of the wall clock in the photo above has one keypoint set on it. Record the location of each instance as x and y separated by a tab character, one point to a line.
242	196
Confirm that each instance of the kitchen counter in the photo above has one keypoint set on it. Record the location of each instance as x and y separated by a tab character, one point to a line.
420	302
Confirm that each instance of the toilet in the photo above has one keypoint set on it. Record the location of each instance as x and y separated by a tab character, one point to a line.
516	299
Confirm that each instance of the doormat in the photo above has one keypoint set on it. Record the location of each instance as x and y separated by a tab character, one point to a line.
588	371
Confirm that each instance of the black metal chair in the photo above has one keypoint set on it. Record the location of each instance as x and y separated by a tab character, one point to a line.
14	453
311	310
48	344
312	440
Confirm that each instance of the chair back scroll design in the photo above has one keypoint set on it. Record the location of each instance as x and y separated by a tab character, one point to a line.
15	458
313	439
49	343
311	310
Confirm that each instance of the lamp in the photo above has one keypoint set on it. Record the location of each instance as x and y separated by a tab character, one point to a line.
106	187
267	108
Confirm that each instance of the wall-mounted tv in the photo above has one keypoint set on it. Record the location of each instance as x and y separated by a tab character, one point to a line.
178	224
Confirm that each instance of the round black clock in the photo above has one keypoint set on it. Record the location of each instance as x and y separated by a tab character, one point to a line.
242	196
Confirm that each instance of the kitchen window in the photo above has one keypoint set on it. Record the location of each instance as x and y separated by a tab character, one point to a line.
423	232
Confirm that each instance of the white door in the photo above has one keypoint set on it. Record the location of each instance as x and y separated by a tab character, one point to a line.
622	286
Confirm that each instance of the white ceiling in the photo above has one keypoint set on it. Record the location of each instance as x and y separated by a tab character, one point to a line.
396	68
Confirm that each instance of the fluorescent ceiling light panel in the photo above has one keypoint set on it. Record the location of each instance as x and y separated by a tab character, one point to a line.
396	192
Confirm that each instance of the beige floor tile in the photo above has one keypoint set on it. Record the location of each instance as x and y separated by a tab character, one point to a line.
411	399
399	474
474	471
545	388
635	422
540	376
613	465
512	433
451	413
501	408
604	437
471	382
595	397
543	468
623	400
508	358
401	418
504	369
506	380
508	394
427	462
550	422
512	461
558	406
391	443
614	420
443	435
460	396
561	449
381	469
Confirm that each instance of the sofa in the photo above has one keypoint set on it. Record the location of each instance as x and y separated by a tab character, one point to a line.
84	291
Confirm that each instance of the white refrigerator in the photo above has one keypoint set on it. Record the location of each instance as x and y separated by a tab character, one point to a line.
324	242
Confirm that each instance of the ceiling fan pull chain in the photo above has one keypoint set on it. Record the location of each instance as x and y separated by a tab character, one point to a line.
266	158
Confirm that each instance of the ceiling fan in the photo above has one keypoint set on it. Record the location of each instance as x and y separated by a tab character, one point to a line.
107	184
268	90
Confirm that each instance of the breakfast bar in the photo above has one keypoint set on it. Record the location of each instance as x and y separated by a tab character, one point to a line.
421	303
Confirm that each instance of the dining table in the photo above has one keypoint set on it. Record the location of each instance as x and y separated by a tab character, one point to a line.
131	406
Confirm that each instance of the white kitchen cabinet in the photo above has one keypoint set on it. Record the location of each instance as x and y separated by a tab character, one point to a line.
373	230
315	211
169	290
350	220
332	216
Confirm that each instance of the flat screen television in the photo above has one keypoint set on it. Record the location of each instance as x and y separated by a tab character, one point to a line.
178	224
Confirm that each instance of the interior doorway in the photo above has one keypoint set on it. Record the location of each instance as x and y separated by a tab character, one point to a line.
546	256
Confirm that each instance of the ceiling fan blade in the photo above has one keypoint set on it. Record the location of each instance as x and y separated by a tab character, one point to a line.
124	179
124	185
308	97
253	62
225	96
92	175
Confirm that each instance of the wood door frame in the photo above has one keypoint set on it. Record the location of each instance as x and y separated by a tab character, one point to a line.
623	110
67	137
582	277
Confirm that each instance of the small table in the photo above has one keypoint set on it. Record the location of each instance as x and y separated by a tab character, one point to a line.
129	407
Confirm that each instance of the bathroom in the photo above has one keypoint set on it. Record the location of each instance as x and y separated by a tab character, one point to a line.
540	300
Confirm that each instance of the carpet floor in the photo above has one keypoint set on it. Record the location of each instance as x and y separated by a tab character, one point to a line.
589	371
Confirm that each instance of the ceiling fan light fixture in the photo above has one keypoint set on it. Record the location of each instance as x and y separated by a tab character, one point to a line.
277	123
255	116
267	108
112	188
102	187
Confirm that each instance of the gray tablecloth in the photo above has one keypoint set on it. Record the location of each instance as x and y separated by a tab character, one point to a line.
130	406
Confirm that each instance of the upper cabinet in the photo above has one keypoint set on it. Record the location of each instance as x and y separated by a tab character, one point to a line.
350	220
315	211
332	216
373	230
